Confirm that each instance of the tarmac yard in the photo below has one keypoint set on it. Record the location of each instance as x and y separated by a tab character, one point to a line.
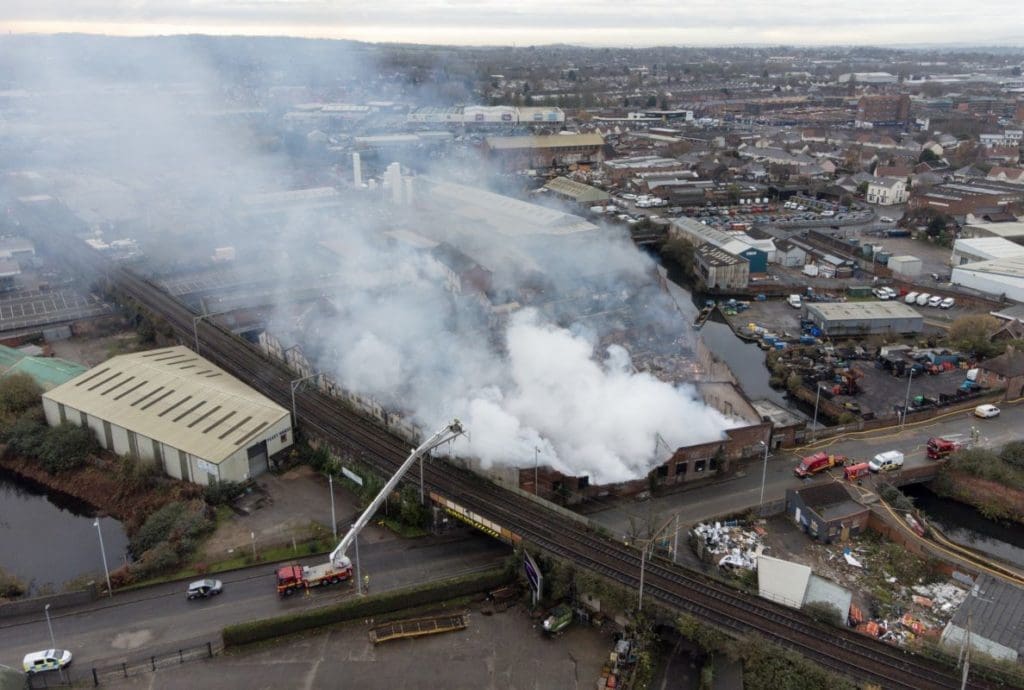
504	651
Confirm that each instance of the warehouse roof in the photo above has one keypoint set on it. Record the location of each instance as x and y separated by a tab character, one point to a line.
174	396
1010	267
48	372
988	247
582	193
995	610
863	310
548	141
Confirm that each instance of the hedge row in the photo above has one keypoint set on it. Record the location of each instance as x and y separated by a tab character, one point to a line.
364	607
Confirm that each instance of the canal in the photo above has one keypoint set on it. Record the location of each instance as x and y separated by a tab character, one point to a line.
48	539
966	526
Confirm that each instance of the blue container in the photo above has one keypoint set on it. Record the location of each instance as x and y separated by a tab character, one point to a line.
808	340
780	345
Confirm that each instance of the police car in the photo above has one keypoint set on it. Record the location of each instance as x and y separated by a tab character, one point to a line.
46	660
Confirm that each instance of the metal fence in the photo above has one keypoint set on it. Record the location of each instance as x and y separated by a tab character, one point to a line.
96	675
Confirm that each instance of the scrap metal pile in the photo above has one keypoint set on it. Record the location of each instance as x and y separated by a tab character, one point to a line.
728	544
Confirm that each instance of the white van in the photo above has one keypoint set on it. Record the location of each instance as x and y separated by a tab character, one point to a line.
910	298
795	301
923	298
884	462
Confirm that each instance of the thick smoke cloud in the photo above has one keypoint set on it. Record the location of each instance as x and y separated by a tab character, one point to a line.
551	380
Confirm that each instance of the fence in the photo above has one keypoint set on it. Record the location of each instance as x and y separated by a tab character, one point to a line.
96	675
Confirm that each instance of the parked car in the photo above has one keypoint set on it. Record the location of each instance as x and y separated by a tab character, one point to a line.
794	301
911	298
886	219
891	292
986	411
935	301
201	589
880	293
947	303
923	298
46	660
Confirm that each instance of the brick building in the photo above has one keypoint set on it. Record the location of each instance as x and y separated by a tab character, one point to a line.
973	196
545	151
881	111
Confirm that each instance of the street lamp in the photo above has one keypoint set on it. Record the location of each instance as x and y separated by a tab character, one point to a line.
764	472
103	552
906	402
295	383
53	642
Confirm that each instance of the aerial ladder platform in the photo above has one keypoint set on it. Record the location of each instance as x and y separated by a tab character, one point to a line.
418	627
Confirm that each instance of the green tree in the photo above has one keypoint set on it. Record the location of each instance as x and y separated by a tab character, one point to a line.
927	156
25	435
18	392
971	334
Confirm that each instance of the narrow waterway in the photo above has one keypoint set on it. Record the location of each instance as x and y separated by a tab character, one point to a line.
966	526
745	359
48	540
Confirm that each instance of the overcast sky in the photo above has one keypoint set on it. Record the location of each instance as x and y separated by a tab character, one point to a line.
522	22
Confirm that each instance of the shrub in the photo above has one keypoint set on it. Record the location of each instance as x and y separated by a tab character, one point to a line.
179	524
157	560
1013	454
66	447
25	436
10	586
136	475
222	493
18	392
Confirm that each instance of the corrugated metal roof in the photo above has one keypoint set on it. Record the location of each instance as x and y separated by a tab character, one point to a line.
548	141
996	611
782	581
174	396
582	193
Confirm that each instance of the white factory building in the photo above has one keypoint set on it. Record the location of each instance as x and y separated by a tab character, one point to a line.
970	250
995	277
174	408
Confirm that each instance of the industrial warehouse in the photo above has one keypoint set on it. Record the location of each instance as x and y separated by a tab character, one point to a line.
176	409
864	318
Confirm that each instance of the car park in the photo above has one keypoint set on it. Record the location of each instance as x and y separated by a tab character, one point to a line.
947	303
201	589
46	660
986	411
934	301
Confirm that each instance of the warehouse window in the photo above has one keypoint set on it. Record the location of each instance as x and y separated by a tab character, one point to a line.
700	466
284	437
663	471
713	464
680	468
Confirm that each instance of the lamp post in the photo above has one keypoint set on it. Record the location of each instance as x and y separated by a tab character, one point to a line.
764	472
814	424
906	402
294	384
103	552
334	523
53	642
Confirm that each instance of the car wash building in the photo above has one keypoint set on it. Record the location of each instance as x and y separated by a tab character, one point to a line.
174	408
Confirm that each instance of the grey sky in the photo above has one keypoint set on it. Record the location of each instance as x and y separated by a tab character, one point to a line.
591	22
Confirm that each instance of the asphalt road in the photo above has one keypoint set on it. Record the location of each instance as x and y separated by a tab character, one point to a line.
743	491
159	619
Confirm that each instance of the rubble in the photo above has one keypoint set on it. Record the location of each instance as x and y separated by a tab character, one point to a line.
728	544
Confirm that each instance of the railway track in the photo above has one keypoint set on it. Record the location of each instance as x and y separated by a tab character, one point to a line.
837	649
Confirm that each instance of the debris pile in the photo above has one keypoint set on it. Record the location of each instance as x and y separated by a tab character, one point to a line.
728	544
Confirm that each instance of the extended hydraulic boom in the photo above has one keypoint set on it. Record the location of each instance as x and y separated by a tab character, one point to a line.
453	430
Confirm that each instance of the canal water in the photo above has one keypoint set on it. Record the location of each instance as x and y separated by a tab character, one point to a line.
48	539
966	526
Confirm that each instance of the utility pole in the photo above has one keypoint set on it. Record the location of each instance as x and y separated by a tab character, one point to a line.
536	463
906	402
814	424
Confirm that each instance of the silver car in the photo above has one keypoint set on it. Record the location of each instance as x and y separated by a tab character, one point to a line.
200	589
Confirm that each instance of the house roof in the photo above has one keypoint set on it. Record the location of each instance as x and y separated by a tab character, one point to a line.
996	612
583	193
48	372
174	396
1009	364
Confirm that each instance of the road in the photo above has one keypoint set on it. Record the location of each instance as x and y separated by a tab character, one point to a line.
739	493
160	619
